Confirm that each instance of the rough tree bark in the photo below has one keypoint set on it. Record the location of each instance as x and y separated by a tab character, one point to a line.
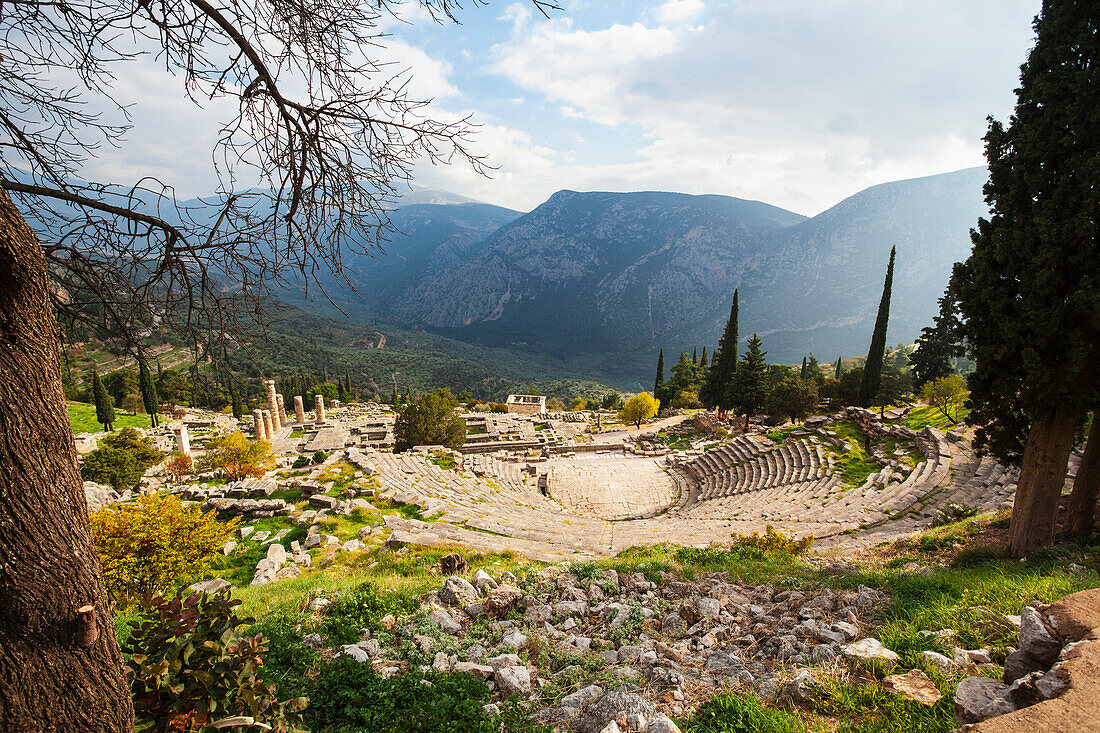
60	667
1042	476
1086	486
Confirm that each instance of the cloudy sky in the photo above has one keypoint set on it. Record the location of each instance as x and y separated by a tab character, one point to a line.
799	103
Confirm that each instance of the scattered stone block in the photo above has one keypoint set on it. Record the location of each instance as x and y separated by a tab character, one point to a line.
914	685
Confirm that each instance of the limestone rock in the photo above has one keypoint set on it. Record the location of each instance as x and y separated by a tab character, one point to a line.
939	662
483	581
979	698
211	586
613	704
869	650
913	685
582	697
458	592
801	687
1020	664
500	601
481	671
1035	640
444	621
513	680
661	723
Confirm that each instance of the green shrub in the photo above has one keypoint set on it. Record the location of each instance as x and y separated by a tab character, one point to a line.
155	545
120	460
319	456
237	456
190	667
741	714
350	697
289	661
358	609
300	462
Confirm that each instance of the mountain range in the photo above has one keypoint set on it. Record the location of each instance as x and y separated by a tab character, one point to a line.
599	281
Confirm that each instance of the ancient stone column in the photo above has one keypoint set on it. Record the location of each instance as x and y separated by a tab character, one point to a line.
258	424
269	429
319	408
183	441
272	404
299	409
282	409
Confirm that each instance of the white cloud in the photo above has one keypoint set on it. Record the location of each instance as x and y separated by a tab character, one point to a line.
590	72
680	11
799	106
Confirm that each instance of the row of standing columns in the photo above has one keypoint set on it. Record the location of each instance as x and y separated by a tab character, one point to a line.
266	422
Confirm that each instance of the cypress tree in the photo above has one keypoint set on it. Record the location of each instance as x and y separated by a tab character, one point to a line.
694	355
1027	295
723	363
872	371
148	390
347	379
659	383
104	407
235	398
703	358
805	370
839	369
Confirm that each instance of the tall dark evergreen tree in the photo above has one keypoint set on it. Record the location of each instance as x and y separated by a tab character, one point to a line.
749	389
805	371
872	370
104	405
938	344
659	382
148	390
1028	294
695	355
347	379
813	371
703	358
234	398
723	363
839	371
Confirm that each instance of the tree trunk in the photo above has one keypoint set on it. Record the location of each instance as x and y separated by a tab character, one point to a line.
1086	486
60	667
1042	476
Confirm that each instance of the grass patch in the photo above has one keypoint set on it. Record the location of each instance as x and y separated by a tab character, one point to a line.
854	465
922	416
82	417
778	436
741	714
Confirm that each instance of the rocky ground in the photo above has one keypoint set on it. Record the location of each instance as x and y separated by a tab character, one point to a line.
595	651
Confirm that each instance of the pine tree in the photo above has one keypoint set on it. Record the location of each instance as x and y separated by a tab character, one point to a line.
749	389
805	372
813	371
659	382
723	364
104	406
839	371
1027	295
872	370
703	358
148	390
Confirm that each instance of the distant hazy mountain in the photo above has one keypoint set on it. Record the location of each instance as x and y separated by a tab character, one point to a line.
600	281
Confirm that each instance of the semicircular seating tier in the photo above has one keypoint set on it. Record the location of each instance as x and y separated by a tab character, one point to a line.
494	503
